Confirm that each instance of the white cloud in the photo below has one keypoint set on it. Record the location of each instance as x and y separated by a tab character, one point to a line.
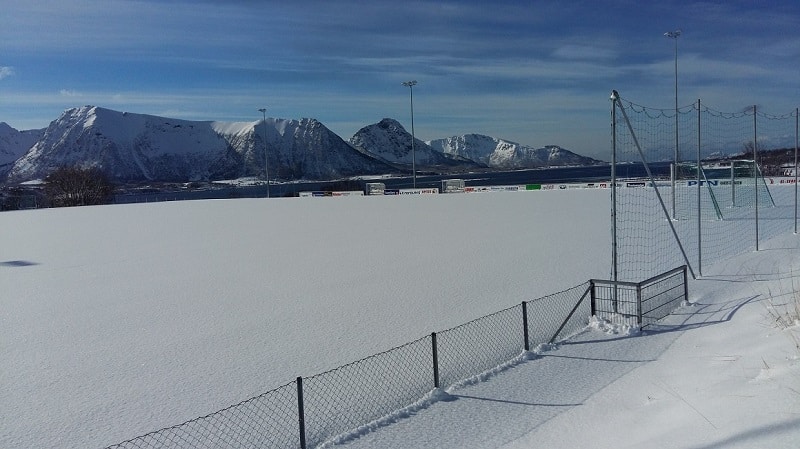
584	52
6	72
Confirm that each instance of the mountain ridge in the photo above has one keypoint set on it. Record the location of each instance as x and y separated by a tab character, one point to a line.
505	154
133	147
139	147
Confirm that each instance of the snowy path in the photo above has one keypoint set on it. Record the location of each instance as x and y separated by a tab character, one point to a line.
523	397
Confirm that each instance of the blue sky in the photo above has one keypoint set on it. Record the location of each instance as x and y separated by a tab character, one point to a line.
534	72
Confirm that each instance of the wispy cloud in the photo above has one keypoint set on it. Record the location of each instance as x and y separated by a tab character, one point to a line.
5	72
534	72
583	52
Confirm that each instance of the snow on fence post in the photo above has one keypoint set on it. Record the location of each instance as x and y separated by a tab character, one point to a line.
525	325
435	361
301	418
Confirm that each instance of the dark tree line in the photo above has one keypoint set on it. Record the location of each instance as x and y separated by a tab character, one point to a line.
75	186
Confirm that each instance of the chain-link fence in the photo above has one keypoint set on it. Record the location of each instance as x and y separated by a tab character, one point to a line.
265	421
310	411
559	315
360	392
479	345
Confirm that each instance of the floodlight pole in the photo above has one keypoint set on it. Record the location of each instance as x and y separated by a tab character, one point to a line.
674	35
266	157
796	129
410	85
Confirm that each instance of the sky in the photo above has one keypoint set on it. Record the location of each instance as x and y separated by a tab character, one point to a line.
534	72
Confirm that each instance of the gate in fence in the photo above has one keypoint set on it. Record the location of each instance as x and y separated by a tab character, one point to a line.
639	303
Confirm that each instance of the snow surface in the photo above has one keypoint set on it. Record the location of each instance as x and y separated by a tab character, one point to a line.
119	320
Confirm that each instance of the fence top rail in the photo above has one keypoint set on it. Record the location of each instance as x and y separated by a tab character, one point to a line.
651	280
665	275
617	283
654	112
552	295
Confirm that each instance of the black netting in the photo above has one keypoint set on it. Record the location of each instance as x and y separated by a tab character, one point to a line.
548	314
356	394
479	345
265	421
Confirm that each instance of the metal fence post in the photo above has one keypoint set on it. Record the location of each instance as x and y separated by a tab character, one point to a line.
639	304
525	325
685	285
593	297
301	413
435	361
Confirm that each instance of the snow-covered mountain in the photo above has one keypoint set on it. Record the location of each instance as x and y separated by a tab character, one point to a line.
499	153
138	147
389	141
13	144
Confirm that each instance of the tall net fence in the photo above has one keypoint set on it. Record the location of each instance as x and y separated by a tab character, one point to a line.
696	207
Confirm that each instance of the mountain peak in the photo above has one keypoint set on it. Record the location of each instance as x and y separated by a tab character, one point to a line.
139	147
390	123
388	140
505	154
14	144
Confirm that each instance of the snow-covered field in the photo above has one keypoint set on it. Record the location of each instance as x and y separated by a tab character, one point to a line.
119	320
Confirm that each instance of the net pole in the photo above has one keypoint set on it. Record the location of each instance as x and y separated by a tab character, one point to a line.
614	100
699	207
755	163
655	186
673	170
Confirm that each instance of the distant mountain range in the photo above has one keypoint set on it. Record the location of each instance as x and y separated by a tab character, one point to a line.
138	148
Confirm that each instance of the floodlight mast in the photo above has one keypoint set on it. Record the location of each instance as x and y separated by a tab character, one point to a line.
266	161
674	35
410	85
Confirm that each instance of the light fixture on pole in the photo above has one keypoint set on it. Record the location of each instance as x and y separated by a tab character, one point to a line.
674	35
266	161
410	85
